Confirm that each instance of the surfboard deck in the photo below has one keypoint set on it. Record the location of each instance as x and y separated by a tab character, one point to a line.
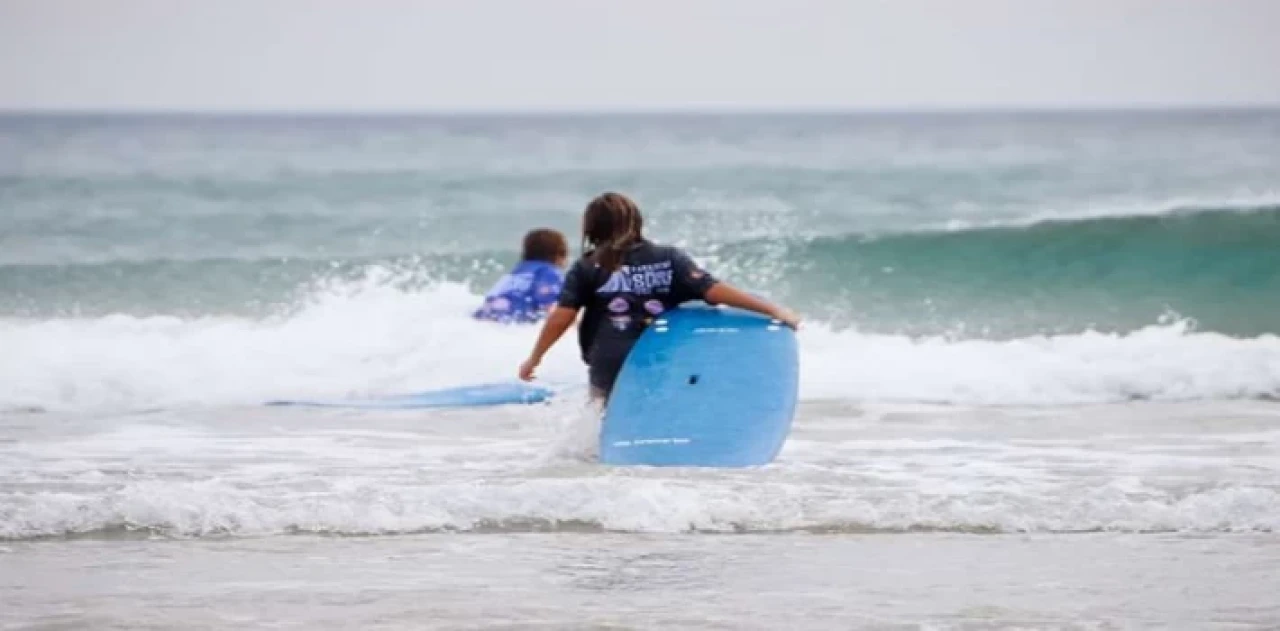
464	396
703	387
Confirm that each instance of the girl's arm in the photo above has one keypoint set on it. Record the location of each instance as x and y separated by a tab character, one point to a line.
558	321
726	294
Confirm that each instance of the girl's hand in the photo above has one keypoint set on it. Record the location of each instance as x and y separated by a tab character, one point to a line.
559	321
789	318
723	293
526	369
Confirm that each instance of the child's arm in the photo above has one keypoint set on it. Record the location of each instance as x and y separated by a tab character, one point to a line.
558	321
723	293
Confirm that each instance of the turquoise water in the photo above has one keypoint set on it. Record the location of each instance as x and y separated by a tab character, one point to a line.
971	225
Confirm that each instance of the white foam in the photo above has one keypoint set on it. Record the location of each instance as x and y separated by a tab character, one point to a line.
362	340
624	504
1163	362
373	338
1111	208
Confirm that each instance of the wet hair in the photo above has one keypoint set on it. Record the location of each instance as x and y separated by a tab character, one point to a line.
610	225
544	244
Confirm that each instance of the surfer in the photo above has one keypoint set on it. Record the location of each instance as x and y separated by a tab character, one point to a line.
623	281
530	289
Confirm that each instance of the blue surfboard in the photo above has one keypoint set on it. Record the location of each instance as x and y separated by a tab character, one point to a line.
703	387
464	396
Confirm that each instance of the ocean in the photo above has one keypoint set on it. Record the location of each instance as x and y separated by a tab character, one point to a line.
1039	372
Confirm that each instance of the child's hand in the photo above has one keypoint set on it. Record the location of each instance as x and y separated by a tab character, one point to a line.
788	318
526	369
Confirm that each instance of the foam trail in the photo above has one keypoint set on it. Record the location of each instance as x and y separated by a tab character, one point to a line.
211	508
367	341
373	339
1243	202
577	437
1164	362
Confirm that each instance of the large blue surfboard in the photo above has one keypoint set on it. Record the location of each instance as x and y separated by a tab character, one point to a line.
703	387
464	396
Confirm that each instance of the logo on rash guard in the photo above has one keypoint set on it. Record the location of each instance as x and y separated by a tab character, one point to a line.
512	283
642	280
654	306
619	305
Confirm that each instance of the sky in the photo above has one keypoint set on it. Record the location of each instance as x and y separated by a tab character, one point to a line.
521	55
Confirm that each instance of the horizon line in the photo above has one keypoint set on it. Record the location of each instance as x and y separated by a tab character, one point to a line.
642	111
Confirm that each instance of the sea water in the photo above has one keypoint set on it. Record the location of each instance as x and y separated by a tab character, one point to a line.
1038	373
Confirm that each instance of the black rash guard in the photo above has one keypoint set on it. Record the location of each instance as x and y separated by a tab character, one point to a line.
651	280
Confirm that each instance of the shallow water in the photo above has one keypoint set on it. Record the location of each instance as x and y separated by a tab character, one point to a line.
1139	515
613	581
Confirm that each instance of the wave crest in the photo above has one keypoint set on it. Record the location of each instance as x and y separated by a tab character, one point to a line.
604	504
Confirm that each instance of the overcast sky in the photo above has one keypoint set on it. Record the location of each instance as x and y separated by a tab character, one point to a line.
635	54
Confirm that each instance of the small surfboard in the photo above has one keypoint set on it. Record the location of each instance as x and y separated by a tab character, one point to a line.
464	396
703	387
